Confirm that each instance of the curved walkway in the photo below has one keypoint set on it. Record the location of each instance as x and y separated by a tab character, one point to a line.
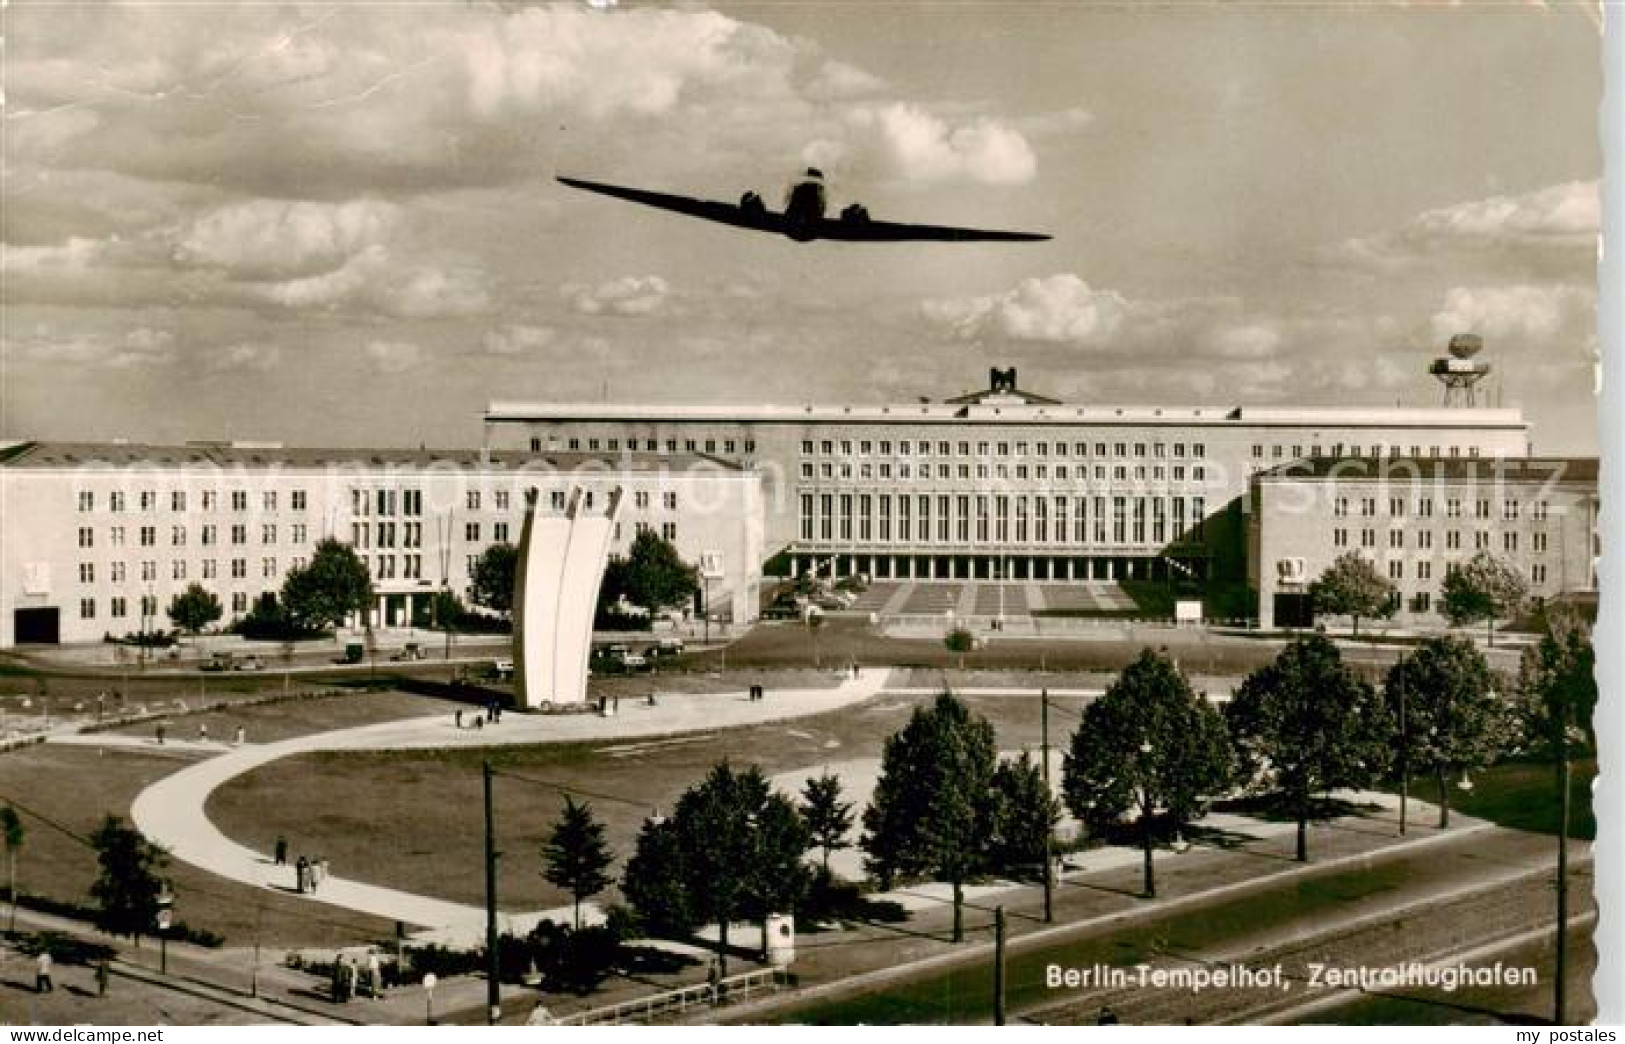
171	811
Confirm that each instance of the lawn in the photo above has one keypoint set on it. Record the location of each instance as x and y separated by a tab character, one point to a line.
284	719
1521	795
412	819
65	792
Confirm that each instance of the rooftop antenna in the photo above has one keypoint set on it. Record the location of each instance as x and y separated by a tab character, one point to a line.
1460	372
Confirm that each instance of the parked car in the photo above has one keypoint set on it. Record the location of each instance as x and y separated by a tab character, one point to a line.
634	661
410	651
249	663
353	652
218	662
504	668
665	647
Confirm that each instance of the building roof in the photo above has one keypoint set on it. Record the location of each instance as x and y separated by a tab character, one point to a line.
1568	470
52	455
993	410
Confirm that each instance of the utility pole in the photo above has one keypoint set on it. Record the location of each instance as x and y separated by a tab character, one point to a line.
998	966
493	963
1560	1005
1404	750
1049	858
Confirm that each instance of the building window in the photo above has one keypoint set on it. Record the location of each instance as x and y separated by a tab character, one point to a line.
177	500
1396	507
208	569
239	534
177	536
1340	538
1537	542
1396	538
239	500
1424	601
555	499
669	531
806	447
1483	509
149	500
1452	540
473	500
1452	508
1509	510
298	499
87	572
239	568
87	500
1481	541
1540	511
1537	573
117	606
87	608
87	536
1424	539
1509	541
1368	538
149	536
471	532
1396	570
1424	570
115	501
180	569
670	500
239	601
268	500
268	533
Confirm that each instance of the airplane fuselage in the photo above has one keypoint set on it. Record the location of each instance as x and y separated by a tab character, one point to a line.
804	207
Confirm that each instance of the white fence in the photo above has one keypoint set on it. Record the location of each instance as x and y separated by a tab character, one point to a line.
675	1002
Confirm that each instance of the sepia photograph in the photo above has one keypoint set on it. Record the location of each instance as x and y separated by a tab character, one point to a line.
797	512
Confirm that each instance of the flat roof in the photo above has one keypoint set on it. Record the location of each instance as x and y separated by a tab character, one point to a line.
45	455
1006	413
1501	468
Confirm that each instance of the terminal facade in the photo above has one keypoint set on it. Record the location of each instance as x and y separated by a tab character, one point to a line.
1417	518
1005	483
95	539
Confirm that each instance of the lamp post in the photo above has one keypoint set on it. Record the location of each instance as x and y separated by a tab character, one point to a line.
1145	817
165	917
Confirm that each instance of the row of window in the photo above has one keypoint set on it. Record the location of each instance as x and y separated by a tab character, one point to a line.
118	606
1278	451
388	503
179	569
1538	542
209	500
208	535
964	519
576	445
1510	509
1001	448
883	471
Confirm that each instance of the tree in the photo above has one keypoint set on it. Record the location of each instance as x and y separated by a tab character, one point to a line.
1351	586
11	826
1306	724
194	609
1455	721
128	886
1557	685
491	581
656	880
576	855
265	619
931	804
1150	742
1023	817
651	575
732	847
323	593
828	818
959	641
1482	588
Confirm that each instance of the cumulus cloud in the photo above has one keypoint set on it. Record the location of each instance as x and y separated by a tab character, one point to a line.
370	281
143	347
1518	314
910	143
628	296
245	356
1537	229
517	339
393	356
1058	309
273	238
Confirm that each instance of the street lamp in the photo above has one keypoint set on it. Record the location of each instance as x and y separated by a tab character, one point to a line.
1145	817
165	917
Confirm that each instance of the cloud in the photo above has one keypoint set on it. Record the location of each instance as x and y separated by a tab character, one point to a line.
1518	314
272	238
907	142
1537	231
140	348
1056	309
516	340
628	296
371	282
393	356
245	356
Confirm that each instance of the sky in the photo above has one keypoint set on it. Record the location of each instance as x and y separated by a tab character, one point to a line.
337	224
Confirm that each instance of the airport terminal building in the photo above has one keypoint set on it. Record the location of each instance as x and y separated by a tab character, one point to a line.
96	539
1005	483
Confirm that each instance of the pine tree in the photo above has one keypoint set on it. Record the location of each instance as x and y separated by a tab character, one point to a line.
828	818
576	856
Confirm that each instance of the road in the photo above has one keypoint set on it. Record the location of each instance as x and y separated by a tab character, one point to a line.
1410	906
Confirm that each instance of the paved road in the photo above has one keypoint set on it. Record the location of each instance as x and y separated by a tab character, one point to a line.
1405	903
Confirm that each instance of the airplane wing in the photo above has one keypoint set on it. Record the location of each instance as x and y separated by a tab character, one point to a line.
868	230
727	213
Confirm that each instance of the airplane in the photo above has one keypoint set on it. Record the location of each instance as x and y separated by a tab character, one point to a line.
803	217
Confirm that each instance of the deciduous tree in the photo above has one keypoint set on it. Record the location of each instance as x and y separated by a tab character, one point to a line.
194	609
828	818
491	581
932	803
1482	588
333	585
11	826
1455	720
1150	742
1023	817
1306	724
1352	587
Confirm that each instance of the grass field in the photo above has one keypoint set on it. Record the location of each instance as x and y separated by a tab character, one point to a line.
1521	795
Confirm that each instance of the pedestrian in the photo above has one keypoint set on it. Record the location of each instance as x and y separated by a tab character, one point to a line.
281	850
42	973
336	980
203	732
302	873
458	717
375	975
241	737
101	978
160	731
617	703
713	979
